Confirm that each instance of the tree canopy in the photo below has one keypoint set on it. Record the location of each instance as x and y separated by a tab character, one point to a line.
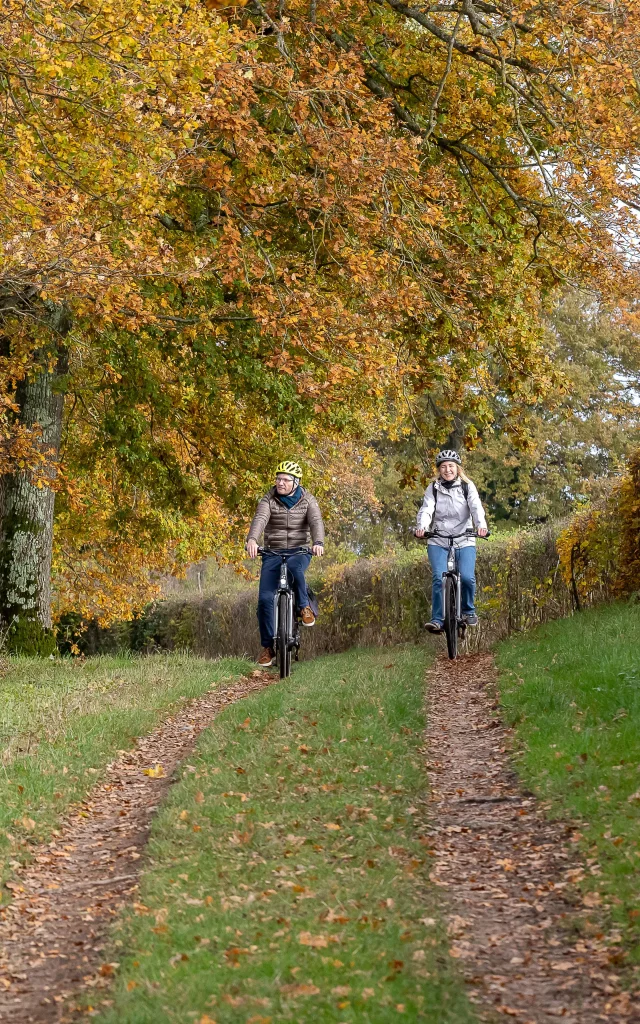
269	227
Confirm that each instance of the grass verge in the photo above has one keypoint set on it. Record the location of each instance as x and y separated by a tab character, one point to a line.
63	721
286	879
572	691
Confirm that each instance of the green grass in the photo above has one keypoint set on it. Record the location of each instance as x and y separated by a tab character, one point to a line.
572	690
287	874
63	721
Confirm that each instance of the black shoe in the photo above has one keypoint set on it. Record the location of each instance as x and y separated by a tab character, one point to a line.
471	620
433	627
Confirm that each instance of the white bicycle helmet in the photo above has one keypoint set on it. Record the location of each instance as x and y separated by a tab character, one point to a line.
448	455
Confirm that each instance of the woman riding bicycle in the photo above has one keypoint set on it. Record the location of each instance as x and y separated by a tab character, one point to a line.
451	503
286	516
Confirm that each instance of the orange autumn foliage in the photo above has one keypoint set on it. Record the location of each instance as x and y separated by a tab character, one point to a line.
272	223
600	549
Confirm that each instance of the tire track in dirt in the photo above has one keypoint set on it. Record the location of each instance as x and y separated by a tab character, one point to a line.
52	935
506	872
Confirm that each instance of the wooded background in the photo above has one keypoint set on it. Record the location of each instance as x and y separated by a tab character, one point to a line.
345	232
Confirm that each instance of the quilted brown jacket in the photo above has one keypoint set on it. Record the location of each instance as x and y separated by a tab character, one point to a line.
287	527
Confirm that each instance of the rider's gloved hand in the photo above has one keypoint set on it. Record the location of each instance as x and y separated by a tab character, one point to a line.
252	548
318	550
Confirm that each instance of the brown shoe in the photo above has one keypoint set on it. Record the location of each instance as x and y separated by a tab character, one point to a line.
307	616
266	658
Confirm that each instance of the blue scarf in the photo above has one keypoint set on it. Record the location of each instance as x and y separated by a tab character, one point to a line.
289	500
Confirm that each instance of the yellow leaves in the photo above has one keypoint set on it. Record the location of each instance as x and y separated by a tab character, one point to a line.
162	915
416	272
592	899
157	772
294	991
599	552
331	917
315	941
332	826
506	864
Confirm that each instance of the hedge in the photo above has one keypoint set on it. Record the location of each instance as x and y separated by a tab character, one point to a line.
372	601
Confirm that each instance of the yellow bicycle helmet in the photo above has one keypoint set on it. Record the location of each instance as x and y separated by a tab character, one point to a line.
292	468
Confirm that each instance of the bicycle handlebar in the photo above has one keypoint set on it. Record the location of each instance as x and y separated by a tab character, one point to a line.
454	536
293	551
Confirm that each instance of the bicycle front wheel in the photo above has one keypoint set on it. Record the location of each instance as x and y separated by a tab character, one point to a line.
450	617
284	650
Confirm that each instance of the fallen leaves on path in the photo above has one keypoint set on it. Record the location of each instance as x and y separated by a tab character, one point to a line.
508	873
52	933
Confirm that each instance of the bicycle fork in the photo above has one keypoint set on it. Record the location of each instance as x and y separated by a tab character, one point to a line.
283	585
293	634
454	575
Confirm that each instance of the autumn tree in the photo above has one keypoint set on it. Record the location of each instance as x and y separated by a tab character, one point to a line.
578	440
269	225
567	449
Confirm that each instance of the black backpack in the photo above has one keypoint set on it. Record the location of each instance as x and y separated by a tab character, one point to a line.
465	491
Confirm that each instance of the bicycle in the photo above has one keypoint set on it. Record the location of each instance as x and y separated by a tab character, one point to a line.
455	625
286	621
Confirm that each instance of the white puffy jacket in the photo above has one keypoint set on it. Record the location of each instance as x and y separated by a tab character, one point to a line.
453	512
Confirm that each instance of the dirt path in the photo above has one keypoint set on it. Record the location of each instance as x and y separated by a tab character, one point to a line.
507	871
52	934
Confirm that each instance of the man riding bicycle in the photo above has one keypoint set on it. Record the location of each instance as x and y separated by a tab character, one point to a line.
450	505
286	516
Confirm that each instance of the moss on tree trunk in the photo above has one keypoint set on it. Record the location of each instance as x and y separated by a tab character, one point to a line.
26	514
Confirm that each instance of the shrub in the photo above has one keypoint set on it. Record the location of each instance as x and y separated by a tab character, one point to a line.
600	548
375	601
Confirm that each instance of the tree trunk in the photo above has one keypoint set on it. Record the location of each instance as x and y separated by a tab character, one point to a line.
456	435
26	514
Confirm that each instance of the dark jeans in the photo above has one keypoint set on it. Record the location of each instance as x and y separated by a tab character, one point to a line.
269	579
466	562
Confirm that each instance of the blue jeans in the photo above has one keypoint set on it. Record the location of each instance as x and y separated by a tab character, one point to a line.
269	579
466	564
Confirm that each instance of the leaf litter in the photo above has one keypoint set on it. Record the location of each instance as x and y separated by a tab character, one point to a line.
529	944
53	932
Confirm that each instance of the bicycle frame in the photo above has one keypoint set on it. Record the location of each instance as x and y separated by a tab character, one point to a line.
457	629
454	574
285	587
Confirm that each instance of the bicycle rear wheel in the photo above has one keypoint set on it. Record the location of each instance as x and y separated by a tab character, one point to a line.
450	619
284	650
